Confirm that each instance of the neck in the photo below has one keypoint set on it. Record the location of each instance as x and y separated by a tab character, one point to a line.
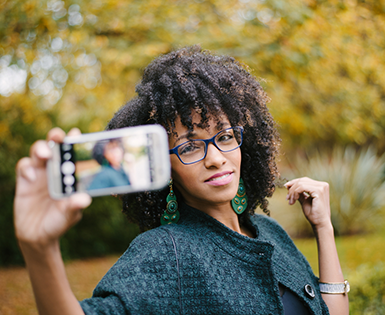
115	166
225	214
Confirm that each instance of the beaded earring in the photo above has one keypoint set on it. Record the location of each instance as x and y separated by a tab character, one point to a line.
239	202
171	214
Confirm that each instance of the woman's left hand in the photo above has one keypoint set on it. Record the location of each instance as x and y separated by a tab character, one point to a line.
314	198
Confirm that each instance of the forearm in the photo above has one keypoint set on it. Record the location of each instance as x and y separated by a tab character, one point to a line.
50	285
330	270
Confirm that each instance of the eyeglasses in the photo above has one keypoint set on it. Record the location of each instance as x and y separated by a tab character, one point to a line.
195	150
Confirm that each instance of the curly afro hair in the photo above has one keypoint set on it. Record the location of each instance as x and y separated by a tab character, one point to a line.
192	79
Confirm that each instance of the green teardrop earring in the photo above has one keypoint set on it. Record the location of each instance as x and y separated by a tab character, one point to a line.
171	214
239	202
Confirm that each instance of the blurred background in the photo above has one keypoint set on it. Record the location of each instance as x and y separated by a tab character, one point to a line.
75	63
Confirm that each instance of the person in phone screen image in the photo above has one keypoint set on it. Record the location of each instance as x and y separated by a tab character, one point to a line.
109	154
208	245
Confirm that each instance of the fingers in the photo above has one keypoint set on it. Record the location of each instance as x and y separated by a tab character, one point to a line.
25	169
302	189
74	132
39	153
56	134
75	204
314	198
296	180
79	201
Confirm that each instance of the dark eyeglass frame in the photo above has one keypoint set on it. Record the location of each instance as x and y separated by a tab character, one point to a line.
207	142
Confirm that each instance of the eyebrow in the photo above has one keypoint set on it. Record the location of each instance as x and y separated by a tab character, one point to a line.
190	134
186	135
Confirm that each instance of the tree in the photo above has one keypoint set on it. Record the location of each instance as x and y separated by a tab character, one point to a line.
75	63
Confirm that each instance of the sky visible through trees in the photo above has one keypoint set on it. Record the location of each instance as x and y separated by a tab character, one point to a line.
322	61
74	63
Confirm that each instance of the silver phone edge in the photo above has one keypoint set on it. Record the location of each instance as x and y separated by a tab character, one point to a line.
56	192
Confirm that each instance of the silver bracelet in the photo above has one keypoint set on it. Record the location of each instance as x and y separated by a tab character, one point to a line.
334	287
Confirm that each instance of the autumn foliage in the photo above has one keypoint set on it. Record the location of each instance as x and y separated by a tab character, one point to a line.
75	63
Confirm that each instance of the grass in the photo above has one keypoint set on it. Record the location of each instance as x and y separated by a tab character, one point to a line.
16	295
356	180
353	250
358	250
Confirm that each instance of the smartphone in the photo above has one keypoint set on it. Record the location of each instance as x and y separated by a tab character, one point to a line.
117	161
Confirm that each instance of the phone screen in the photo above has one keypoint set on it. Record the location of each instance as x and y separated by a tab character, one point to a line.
93	166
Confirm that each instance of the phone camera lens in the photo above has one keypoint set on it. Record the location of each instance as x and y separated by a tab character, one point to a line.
68	180
67	156
68	189
66	147
68	168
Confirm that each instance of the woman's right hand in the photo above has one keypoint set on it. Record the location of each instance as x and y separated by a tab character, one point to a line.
39	219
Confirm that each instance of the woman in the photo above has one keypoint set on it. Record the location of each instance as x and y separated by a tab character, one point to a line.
216	257
109	154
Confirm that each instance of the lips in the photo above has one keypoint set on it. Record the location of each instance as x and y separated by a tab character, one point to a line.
220	179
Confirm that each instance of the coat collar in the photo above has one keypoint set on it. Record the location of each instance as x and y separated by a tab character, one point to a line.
271	248
250	250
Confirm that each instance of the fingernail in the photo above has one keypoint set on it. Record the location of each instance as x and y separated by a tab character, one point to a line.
30	174
44	152
81	200
287	197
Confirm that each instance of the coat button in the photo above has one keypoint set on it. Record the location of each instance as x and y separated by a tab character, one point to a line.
309	291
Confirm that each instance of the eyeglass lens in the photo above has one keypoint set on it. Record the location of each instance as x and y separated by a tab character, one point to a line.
226	140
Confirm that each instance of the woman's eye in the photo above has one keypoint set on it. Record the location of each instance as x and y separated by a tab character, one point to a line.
225	137
188	148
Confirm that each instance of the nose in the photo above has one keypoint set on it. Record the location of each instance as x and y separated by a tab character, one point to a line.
214	157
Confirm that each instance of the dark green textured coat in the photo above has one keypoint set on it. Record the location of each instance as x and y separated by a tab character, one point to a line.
199	266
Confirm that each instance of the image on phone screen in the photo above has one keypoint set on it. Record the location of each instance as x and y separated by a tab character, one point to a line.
96	165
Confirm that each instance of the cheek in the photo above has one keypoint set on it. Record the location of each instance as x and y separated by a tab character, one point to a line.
183	175
237	158
176	170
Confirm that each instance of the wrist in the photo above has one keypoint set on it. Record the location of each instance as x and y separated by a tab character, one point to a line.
39	250
325	228
324	233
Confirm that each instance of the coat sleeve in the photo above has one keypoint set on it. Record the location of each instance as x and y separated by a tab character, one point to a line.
143	281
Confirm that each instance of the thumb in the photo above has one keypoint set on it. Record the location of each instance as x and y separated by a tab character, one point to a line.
74	204
79	201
